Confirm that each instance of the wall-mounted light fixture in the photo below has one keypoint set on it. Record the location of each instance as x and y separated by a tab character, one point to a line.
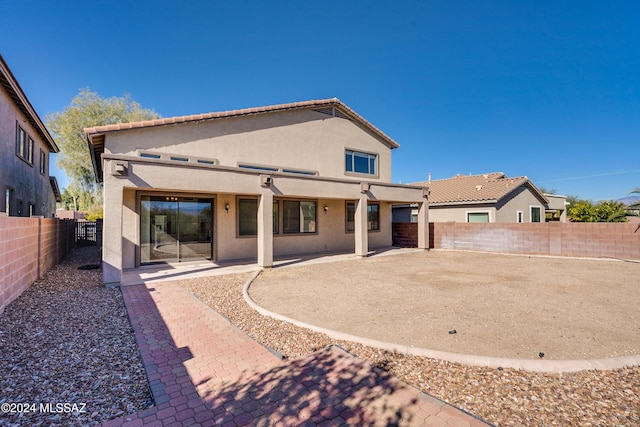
326	208
226	207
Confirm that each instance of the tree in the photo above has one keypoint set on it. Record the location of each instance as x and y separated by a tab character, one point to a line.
608	211
611	211
88	109
69	198
582	211
545	190
635	205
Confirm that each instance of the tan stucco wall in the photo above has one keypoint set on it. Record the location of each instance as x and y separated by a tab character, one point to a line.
521	199
154	178
506	210
304	139
226	185
558	203
29	184
459	213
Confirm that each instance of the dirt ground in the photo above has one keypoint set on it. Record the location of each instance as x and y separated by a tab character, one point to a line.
499	305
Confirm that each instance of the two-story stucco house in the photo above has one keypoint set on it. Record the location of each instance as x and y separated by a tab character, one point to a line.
256	183
25	145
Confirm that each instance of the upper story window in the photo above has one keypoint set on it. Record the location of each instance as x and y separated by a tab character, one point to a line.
359	162
43	162
24	146
257	167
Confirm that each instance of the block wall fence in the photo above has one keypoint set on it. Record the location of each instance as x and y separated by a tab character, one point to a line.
608	240
29	247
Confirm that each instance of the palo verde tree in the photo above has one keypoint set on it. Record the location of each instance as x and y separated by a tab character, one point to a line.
607	211
88	109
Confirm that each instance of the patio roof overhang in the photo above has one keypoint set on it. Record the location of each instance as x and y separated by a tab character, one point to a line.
215	178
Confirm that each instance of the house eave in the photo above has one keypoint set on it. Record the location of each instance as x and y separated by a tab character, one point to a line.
15	92
462	203
56	189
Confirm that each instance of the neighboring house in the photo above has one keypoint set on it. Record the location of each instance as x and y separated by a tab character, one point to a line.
492	197
296	178
25	144
556	209
69	214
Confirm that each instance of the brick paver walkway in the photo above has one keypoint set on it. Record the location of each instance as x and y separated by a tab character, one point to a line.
204	371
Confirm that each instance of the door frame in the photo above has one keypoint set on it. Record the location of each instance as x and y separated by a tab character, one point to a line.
138	247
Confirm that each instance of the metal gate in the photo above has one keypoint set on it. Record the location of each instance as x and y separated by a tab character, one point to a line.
85	233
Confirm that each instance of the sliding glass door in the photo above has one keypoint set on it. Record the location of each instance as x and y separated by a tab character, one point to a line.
175	229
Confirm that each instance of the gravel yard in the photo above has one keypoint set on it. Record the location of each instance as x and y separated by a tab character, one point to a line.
501	396
67	340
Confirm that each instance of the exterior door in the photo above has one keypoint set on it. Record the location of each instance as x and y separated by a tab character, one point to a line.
175	229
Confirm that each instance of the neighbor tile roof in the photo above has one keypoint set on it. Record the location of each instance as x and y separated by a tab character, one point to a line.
322	103
489	187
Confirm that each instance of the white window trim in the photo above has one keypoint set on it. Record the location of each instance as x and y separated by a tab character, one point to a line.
466	215
354	173
531	213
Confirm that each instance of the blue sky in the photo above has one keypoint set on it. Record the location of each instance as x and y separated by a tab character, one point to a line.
546	89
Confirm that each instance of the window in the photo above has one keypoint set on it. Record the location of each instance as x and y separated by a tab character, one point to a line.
351	213
30	150
373	216
150	155
24	146
43	162
9	197
173	228
299	172
248	217
477	216
360	162
535	213
258	168
21	143
298	217
519	216
179	159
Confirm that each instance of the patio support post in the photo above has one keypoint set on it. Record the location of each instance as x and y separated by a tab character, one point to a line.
113	226
265	229
423	225
361	233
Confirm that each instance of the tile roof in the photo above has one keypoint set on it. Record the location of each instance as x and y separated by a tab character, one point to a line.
490	187
322	103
